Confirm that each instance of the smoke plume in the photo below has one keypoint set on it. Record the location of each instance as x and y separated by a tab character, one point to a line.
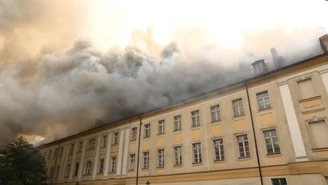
55	83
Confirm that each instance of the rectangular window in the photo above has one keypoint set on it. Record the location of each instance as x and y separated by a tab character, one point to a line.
279	181
88	168
161	127
134	134
49	155
177	123
67	170
306	88
55	154
271	140
91	144
147	130
76	168
114	164
195	118
243	146
146	160
319	133
61	151
116	135
101	165
215	113
197	152
57	172
51	172
104	140
178	155
71	150
80	146
238	107
132	161
263	100
161	158
218	150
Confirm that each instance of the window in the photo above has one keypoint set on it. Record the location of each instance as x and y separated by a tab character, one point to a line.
279	181
132	161
104	141
243	146
51	172
215	113
177	123
67	170
319	133
146	160
178	155
49	155
55	154
71	149
263	100
61	151
218	150
91	144
76	168
114	164
161	158
271	140
161	127
80	146
101	165
306	88
197	151
57	172
238	107
88	168
147	130
195	118
116	138
134	134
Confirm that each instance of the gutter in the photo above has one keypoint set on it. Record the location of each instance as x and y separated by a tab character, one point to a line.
138	155
254	135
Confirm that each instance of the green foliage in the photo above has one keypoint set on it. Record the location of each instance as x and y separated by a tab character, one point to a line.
21	164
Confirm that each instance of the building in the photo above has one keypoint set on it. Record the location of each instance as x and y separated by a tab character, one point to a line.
268	130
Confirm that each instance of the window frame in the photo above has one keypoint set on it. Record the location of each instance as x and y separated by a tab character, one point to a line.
220	150
244	146
88	168
263	98
271	141
177	123
92	144
161	158
279	178
101	165
309	131
147	131
161	127
134	134
178	159
241	111
113	166
217	113
116	137
132	161
195	118
105	140
146	160
199	159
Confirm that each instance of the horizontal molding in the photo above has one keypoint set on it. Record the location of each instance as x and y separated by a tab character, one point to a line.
313	111
310	99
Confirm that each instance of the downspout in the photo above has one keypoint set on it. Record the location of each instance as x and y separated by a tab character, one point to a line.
138	155
254	135
52	175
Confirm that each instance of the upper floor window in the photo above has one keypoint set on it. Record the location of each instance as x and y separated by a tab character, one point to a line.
88	168
161	158
178	155
263	100
61	151
49	155
91	144
76	168
147	130
80	146
197	152
218	149
195	118
177	123
271	140
101	165
238	107
132	161
67	170
134	134
243	146
146	160
57	172
161	127
319	133
306	88
114	164
55	154
116	134
71	149
215	113
279	181
104	140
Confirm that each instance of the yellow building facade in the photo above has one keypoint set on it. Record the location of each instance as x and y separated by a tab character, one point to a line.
268	130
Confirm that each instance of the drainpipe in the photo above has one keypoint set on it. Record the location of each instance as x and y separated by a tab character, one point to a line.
138	156
254	135
52	174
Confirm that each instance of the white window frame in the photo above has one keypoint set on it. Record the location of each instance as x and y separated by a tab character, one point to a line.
147	130
218	146
270	138
238	105
116	137
146	157
178	156
92	143
279	179
134	134
68	167
243	142
80	146
195	117
161	158
132	162
101	165
215	113
71	151
265	98
161	127
177	123
197	153
104	144
114	164
88	168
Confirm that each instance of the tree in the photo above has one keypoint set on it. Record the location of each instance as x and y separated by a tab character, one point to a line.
21	164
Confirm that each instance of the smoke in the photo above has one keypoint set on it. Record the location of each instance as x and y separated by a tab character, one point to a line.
55	83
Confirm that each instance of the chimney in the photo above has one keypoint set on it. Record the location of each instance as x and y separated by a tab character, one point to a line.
260	67
324	42
278	61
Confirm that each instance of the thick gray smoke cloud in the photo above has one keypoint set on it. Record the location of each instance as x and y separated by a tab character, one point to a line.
54	94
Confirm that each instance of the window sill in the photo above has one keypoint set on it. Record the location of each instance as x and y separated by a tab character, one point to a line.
161	134
197	164
216	121
309	99
130	170
160	168
195	127
244	158
266	109
319	149
177	131
219	161
273	155
238	116
145	169
145	138
133	140
178	166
